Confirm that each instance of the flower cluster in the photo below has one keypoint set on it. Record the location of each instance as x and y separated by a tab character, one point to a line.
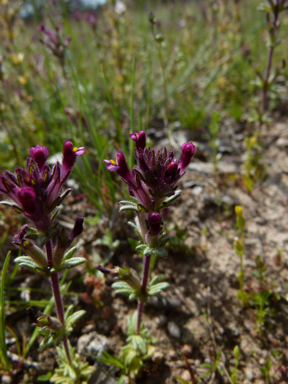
155	177
152	183
36	190
75	117
53	42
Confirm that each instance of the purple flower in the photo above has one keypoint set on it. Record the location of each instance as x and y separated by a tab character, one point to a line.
140	139
53	42
74	117
188	150
39	155
91	18
36	190
154	223
155	176
70	154
77	230
120	166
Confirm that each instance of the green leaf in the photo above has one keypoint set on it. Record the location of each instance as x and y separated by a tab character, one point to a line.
141	247
121	285
171	199
110	360
45	377
236	352
75	316
71	263
154	280
138	343
70	253
157	288
155	251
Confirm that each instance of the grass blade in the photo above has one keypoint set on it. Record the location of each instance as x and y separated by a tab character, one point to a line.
3	348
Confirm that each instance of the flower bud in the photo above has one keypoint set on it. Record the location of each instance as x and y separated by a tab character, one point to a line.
27	198
130	278
44	321
32	250
140	139
78	228
240	219
70	154
172	170
154	223
239	210
238	246
188	150
39	155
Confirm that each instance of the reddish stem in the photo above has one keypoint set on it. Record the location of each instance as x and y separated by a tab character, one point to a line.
57	298
145	275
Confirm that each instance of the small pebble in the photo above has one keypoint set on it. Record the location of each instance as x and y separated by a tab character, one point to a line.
187	350
262	361
172	355
6	379
174	330
186	375
249	374
160	321
158	357
197	363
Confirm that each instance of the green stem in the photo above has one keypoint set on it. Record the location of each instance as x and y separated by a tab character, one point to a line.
163	75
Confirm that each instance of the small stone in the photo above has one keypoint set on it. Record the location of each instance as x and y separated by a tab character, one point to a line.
161	321
88	328
6	379
92	344
195	330
197	190
197	363
172	355
174	330
249	374
187	350
157	357
186	375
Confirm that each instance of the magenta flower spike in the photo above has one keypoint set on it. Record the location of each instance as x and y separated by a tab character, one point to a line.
53	42
36	190
152	185
154	178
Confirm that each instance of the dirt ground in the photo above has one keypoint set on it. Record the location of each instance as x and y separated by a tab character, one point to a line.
198	319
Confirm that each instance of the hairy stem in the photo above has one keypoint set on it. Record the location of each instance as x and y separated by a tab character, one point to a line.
57	298
146	266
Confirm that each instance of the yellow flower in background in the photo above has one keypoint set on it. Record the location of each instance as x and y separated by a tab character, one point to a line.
23	79
17	58
222	82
